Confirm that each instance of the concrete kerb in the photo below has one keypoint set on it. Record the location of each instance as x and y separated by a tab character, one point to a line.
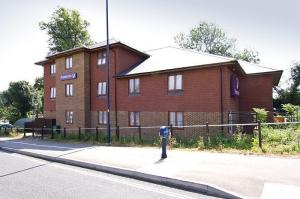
197	187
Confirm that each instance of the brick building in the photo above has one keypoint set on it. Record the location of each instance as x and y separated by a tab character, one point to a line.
158	87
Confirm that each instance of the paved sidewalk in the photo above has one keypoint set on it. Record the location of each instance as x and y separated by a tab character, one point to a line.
241	174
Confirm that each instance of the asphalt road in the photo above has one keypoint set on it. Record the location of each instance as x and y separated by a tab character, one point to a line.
25	177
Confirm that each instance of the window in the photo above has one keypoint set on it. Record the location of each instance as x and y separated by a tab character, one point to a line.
53	92
69	62
69	117
134	86
69	90
175	82
101	88
53	69
176	119
134	118
101	58
102	119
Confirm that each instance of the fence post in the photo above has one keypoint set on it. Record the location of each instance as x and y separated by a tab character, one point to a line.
18	130
42	133
118	132
140	133
52	133
5	130
207	132
171	130
79	133
65	132
259	134
24	132
0	129
11	129
33	132
97	134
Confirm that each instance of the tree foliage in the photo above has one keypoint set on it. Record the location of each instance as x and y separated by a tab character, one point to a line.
292	93
207	37
66	30
21	100
248	55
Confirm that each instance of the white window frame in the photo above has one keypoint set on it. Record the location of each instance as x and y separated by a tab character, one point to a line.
69	89
101	60
69	117
53	92
69	62
176	118
102	88
134	86
134	118
102	117
53	69
175	82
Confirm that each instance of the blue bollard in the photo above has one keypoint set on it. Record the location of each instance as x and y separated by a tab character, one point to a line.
164	132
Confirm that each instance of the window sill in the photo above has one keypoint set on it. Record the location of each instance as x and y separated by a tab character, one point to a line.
133	94
175	92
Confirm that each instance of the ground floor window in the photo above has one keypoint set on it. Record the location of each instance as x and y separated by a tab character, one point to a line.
176	119
69	117
102	117
134	118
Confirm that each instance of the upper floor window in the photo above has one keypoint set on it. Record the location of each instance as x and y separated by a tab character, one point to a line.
134	86
53	69
69	90
102	117
101	88
69	62
69	117
53	92
175	82
134	118
176	119
101	58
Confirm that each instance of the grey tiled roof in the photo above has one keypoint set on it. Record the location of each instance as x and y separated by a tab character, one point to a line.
170	58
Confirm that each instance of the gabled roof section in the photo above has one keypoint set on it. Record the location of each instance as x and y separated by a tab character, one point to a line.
90	48
172	58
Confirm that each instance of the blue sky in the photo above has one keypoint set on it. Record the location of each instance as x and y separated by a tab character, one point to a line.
271	27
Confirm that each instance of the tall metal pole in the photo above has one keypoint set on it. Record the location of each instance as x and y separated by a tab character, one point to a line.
107	77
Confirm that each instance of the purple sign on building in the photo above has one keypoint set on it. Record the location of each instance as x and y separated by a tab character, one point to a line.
68	76
234	86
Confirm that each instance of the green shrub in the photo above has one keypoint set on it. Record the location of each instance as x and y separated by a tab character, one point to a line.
261	114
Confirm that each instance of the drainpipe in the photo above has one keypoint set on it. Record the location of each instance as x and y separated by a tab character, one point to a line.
221	97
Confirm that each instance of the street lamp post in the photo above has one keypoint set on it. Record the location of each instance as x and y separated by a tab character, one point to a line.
107	77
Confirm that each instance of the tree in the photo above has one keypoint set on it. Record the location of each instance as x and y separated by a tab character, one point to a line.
39	83
207	37
20	97
292	93
248	55
66	30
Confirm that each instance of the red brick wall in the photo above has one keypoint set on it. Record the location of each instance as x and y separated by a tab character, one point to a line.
49	81
201	92
120	59
256	91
